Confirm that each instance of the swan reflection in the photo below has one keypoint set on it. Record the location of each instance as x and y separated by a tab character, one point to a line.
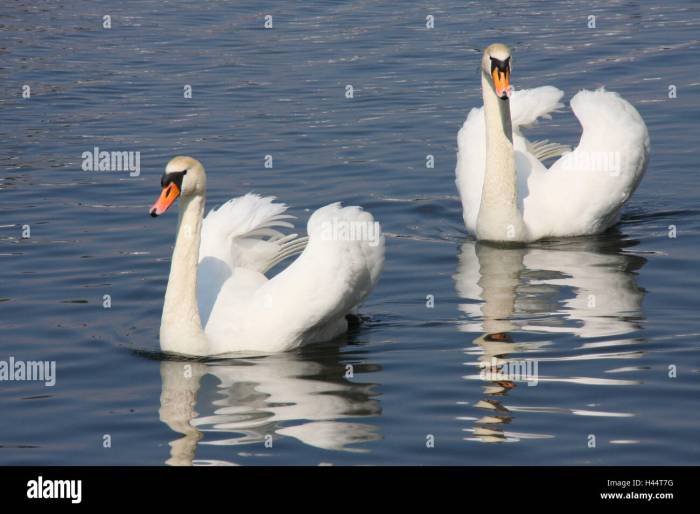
583	287
255	401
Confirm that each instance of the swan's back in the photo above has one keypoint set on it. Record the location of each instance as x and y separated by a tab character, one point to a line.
573	197
241	240
306	302
583	192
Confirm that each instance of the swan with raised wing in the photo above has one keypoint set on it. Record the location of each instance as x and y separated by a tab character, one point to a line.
508	194
218	299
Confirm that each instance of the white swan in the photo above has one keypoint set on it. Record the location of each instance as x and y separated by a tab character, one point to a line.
509	195
217	276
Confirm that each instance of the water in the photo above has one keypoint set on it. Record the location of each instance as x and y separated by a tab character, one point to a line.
607	318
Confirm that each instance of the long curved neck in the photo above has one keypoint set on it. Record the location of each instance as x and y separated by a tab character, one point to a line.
499	218
181	327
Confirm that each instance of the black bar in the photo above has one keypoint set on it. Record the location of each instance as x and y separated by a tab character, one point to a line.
287	486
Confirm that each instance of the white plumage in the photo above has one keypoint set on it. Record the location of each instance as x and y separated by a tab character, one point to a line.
306	302
579	194
218	298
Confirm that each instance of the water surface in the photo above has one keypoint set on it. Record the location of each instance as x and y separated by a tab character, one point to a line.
606	318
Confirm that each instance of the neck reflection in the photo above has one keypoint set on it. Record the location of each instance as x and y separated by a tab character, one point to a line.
252	403
519	298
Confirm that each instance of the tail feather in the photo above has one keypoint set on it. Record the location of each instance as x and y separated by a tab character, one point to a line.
244	232
545	149
528	105
294	246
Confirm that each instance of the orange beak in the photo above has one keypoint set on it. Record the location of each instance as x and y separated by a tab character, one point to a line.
167	196
501	81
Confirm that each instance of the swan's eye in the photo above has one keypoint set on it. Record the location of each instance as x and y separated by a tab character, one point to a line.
500	65
175	177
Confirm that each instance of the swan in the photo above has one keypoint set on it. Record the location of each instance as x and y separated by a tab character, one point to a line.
218	299
508	194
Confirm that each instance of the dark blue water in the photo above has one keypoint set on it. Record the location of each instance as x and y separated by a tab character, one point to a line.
621	370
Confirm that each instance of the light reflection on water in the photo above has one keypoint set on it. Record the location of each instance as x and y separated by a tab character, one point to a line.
258	400
585	287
